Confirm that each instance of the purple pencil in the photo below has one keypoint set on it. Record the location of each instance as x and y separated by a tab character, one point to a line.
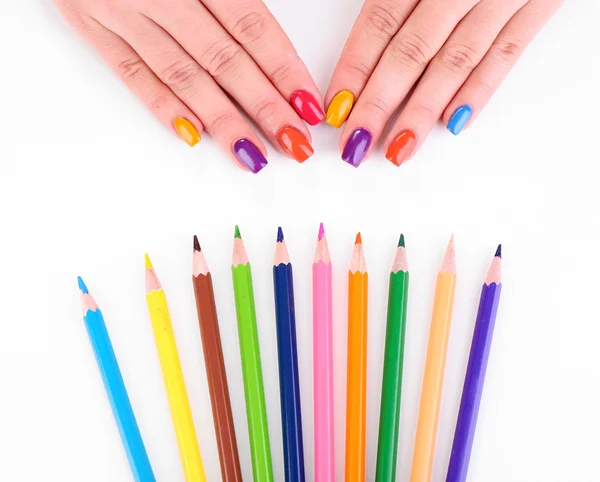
478	359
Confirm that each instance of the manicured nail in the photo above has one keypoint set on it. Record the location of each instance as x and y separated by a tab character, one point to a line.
295	144
307	107
459	119
186	131
339	108
401	147
356	147
249	155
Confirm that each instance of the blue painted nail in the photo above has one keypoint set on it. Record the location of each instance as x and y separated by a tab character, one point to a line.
459	119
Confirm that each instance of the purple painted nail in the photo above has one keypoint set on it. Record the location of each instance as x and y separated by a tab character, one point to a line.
249	155
356	147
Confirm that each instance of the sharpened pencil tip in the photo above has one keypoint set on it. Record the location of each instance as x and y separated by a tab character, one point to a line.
82	286
147	261
499	251
197	244
401	241
237	234
321	231
358	239
279	235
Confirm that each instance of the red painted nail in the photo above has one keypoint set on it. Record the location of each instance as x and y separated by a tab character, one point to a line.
307	107
401	147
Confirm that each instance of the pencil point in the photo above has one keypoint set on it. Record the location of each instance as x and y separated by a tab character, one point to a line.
401	241
237	232
197	244
499	251
82	286
147	261
358	239
279	234
321	231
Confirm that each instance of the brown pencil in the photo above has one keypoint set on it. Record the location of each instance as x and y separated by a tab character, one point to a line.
215	368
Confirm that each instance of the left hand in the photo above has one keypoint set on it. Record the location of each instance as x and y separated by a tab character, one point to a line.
463	49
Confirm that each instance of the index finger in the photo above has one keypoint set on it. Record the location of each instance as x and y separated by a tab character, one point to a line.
251	23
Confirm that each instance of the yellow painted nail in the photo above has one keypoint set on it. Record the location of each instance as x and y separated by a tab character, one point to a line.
186	131
339	108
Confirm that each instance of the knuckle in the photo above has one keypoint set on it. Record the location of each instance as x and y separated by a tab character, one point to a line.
131	70
281	73
458	58
249	27
381	19
377	105
357	65
218	121
180	75
506	51
158	102
265	111
222	57
411	50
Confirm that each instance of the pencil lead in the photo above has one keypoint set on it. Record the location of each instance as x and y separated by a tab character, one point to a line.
279	235
401	241
321	231
499	251
82	286
237	232
147	261
197	244
358	239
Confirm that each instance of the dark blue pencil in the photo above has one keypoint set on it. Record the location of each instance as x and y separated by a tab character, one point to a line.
289	385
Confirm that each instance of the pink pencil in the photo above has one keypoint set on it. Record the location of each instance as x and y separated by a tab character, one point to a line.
323	362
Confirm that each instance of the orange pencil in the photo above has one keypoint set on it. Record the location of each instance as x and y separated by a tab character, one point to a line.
435	364
356	401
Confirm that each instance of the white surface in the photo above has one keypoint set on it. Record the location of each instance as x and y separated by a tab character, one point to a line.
89	181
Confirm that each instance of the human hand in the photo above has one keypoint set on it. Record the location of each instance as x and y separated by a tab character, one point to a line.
182	58
462	48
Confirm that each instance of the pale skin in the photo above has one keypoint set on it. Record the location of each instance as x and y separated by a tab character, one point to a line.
184	59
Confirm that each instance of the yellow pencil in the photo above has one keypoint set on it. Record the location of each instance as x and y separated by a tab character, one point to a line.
173	378
435	364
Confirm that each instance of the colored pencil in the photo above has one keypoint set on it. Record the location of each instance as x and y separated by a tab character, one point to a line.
323	362
256	410
391	385
215	367
115	388
356	391
287	351
475	376
431	391
166	347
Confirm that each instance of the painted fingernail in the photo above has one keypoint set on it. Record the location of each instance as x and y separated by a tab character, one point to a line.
356	147
249	155
295	144
186	131
459	119
339	108
307	107
401	147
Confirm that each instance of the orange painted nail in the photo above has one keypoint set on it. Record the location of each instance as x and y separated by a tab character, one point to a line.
295	144
186	131
401	147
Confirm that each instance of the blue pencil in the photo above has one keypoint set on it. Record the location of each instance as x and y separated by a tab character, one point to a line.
115	388
289	385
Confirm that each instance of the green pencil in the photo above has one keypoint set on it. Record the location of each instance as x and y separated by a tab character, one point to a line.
391	387
256	410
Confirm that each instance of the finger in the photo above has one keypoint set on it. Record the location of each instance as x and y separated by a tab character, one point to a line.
446	72
156	96
251	23
402	63
498	61
232	68
377	23
190	83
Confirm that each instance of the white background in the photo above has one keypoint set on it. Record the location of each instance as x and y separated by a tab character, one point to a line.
89	181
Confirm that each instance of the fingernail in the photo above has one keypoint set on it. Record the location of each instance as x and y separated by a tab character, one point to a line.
307	107
356	147
339	108
401	147
249	155
295	144
459	119
186	131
